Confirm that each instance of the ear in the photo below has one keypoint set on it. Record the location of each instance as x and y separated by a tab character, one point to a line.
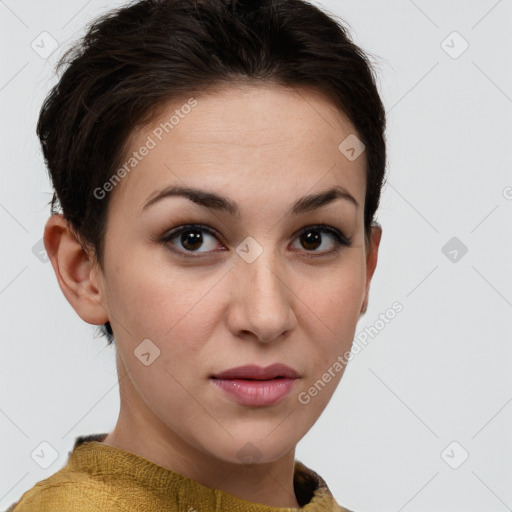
75	271
371	261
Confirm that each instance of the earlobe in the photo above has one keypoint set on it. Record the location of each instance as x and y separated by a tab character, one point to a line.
371	262
74	271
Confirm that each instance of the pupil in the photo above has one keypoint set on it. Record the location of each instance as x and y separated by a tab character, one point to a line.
192	239
312	237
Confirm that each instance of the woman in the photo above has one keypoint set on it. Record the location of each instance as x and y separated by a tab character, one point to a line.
218	164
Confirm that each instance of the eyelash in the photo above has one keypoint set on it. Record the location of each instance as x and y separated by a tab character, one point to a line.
339	238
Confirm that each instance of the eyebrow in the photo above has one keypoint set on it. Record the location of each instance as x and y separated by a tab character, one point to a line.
217	202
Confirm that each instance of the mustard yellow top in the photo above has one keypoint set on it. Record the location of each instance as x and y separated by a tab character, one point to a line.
101	478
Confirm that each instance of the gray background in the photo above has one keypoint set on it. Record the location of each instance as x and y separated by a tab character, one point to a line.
438	373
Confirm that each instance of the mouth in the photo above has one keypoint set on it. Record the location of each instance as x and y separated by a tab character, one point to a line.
256	386
255	392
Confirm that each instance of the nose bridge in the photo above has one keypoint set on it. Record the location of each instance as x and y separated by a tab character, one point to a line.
264	298
264	277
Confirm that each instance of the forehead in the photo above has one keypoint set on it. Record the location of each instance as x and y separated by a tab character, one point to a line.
242	137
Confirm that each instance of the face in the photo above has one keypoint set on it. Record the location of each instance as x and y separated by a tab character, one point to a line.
263	276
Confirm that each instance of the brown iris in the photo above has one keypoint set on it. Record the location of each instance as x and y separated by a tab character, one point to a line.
192	239
311	237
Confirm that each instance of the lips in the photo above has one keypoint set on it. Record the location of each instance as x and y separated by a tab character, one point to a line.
254	386
255	372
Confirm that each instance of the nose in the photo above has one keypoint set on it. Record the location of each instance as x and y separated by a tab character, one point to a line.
262	303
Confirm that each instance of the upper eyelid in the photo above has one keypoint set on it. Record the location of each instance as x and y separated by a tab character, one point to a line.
203	227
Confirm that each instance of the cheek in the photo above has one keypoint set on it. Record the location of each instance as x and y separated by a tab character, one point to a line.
336	296
330	314
174	312
330	330
151	301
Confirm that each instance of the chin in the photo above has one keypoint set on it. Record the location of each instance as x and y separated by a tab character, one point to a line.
253	449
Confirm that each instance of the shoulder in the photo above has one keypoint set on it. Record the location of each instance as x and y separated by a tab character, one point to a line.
63	495
70	489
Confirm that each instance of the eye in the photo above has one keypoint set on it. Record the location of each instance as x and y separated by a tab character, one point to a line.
191	238
311	238
197	238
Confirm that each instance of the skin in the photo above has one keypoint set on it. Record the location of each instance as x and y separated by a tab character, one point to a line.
264	147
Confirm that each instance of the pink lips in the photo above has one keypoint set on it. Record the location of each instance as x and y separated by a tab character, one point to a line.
253	385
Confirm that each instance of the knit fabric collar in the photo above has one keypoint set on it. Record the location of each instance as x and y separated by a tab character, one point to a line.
124	469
